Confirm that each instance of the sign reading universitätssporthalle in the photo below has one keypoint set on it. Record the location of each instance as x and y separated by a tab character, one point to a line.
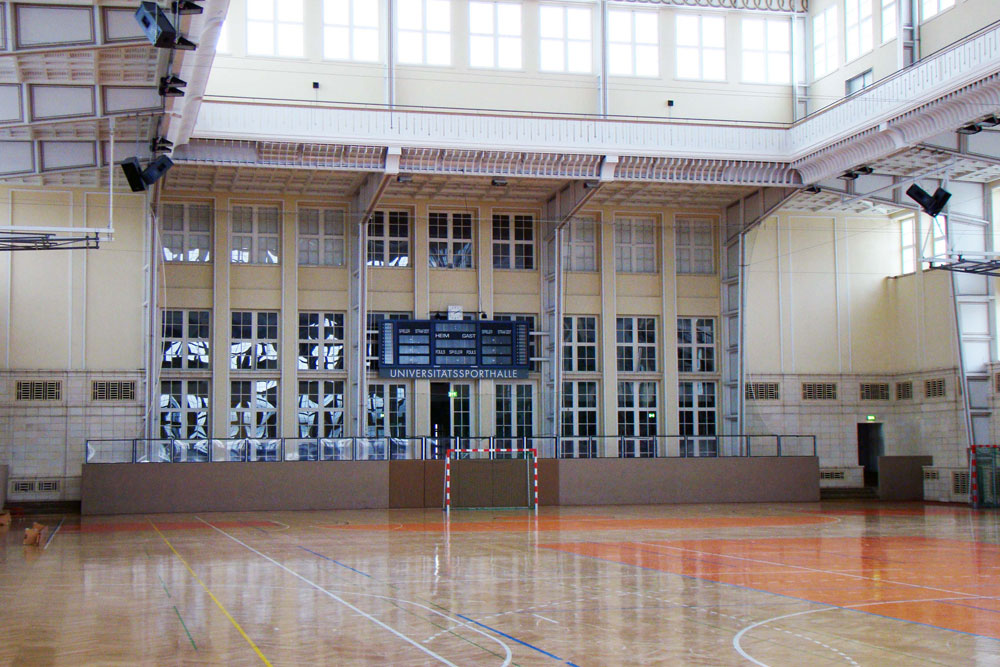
453	349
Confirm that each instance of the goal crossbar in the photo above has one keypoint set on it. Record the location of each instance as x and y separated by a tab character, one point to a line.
488	450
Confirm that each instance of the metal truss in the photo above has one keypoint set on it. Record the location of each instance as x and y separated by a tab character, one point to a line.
980	263
11	241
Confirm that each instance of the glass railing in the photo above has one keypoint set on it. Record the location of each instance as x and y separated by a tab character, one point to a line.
167	450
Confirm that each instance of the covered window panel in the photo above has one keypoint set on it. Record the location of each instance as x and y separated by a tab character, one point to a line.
635	245
694	245
321	237
256	234
579	251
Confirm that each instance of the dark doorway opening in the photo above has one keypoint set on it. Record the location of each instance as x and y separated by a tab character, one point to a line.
870	446
440	416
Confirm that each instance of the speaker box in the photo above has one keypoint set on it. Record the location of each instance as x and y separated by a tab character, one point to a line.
133	173
156	169
157	26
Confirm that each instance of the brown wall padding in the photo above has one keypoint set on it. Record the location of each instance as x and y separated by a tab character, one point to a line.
406	484
548	482
500	483
433	483
3	485
129	488
510	483
902	477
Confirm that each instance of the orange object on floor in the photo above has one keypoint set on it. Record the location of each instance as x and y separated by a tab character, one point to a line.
4	519
35	536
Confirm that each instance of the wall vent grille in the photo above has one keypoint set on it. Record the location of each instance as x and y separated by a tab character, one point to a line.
47	485
112	390
819	391
22	486
934	388
874	391
960	483
831	474
931	475
904	391
762	391
39	390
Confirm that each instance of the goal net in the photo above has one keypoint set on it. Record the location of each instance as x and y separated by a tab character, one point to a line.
504	478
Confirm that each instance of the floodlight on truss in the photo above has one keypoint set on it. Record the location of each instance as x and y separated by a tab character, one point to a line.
978	263
14	239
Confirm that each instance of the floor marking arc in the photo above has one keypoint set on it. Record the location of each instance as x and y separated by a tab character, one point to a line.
218	604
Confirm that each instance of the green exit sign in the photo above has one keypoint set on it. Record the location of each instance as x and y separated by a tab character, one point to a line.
871	418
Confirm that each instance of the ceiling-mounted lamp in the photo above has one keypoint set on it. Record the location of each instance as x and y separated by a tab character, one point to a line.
852	174
931	204
160	145
990	121
973	128
140	179
813	189
170	86
498	182
590	185
159	30
404	178
186	7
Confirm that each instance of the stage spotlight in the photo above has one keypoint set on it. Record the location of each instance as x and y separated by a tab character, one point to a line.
140	179
160	145
974	128
499	182
186	7
170	86
931	204
404	178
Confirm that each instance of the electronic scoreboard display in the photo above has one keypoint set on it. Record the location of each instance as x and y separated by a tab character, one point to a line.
453	349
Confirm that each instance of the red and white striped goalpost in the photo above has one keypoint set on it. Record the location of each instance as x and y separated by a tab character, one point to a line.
447	470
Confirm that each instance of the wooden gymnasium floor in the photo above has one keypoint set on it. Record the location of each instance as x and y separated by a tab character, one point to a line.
834	583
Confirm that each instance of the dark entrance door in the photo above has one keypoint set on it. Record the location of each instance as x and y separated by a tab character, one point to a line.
440	417
870	447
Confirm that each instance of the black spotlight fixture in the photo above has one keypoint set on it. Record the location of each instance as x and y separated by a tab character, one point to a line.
140	179
813	189
160	32
404	178
974	128
931	204
990	121
170	86
186	7
160	145
852	174
499	182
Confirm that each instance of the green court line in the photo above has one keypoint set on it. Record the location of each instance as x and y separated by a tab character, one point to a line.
184	625
164	584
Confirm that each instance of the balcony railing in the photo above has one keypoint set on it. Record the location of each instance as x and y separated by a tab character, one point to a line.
168	450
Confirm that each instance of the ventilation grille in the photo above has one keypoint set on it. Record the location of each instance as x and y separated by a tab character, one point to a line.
112	390
960	483
831	474
874	391
39	390
934	388
819	391
762	391
931	475
35	485
904	391
22	486
47	485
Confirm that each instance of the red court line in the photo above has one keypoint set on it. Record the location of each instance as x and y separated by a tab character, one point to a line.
520	524
136	526
916	579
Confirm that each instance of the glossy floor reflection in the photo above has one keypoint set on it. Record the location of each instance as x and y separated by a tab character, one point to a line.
784	584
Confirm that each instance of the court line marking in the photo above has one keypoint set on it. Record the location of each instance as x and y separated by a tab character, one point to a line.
184	625
738	637
212	595
512	638
333	596
314	553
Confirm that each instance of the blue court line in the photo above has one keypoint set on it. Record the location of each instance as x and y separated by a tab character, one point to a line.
336	561
53	534
759	590
515	639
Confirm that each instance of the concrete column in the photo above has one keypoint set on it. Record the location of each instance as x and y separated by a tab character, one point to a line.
221	319
608	336
289	318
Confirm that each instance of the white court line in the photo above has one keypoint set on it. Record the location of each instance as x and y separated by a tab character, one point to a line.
359	611
739	635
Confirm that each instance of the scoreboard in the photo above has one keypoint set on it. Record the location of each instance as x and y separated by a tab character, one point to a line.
453	349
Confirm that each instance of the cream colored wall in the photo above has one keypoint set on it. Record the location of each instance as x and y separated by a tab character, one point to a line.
73	309
821	300
966	17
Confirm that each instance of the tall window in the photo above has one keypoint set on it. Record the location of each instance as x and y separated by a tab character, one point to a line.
566	35
450	245
579	252
637	418
933	236
825	42
350	30
514	410
693	245
908	245
934	7
275	28
321	237
321	341
494	34
184	409
254	341
187	232
578	420
253	409
371	336
633	42
185	339
513	241
695	345
636	341
424	36
890	23
321	408
701	47
580	344
635	245
697	418
256	235
389	239
858	30
386	411
767	50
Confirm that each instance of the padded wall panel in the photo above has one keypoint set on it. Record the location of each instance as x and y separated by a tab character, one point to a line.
38	26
